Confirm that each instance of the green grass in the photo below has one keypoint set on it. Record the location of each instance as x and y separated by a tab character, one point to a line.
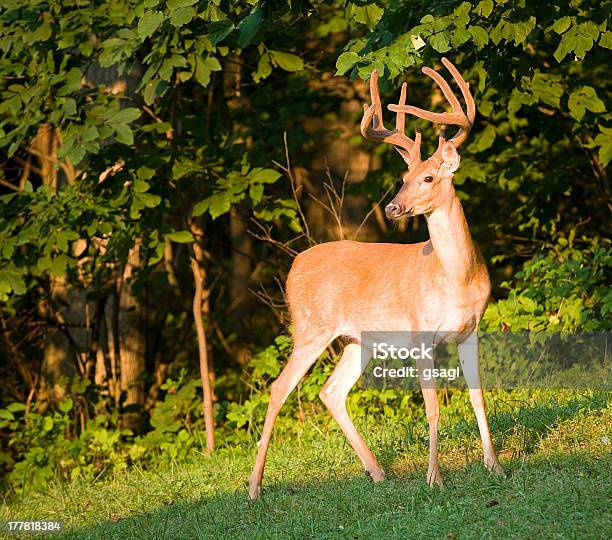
557	486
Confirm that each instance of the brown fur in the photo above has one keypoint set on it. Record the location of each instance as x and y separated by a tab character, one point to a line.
345	288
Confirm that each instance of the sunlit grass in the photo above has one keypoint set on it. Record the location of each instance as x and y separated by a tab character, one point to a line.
555	452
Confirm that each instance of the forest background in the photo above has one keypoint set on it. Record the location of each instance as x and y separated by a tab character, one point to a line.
163	162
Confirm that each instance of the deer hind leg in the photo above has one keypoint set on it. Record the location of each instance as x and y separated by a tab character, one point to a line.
302	358
334	394
470	365
432	409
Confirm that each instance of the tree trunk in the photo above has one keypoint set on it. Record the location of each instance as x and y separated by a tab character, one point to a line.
241	269
57	363
198	303
131	333
241	242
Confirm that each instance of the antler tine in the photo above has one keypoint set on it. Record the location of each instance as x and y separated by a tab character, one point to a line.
446	89
457	117
462	135
373	128
375	96
400	118
415	153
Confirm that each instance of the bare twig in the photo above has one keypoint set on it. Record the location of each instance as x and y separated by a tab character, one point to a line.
267	299
169	132
374	207
9	185
25	175
267	237
294	191
111	171
66	167
23	162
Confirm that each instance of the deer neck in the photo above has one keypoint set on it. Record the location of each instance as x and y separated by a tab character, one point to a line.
452	243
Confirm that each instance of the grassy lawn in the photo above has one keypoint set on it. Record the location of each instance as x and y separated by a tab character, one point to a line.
556	455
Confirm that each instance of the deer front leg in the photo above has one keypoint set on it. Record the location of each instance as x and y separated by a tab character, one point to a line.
432	409
470	365
334	394
302	357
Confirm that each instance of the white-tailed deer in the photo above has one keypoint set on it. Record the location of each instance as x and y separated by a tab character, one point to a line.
440	286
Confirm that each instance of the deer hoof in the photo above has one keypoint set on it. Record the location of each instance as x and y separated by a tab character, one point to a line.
434	478
254	491
495	467
375	476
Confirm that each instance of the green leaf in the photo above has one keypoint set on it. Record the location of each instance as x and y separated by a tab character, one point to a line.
176	4
149	23
183	167
512	31
479	35
248	27
256	192
16	407
369	14
459	37
182	16
264	176
216	205
484	140
365	71
288	62
58	265
345	62
141	186
202	72
606	40
583	99
153	90
43	32
604	142
212	63
70	106
124	134
219	30
148	199
6	414
73	82
547	88
562	24
440	42
264	68
485	8
47	423
181	237
204	67
125	116
578	39
66	405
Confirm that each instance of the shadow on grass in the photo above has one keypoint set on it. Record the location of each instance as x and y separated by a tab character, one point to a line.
552	497
549	495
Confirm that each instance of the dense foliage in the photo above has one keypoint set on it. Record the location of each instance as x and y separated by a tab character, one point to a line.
139	135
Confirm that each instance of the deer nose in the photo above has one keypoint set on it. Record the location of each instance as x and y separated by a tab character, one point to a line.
393	210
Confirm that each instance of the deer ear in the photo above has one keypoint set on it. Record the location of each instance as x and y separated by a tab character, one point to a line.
450	156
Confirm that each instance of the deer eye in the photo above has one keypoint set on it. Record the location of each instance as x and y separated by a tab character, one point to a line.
428	179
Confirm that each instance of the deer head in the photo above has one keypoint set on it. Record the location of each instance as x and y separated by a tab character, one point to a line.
427	183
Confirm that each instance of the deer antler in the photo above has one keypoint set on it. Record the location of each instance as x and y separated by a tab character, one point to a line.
372	126
457	117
